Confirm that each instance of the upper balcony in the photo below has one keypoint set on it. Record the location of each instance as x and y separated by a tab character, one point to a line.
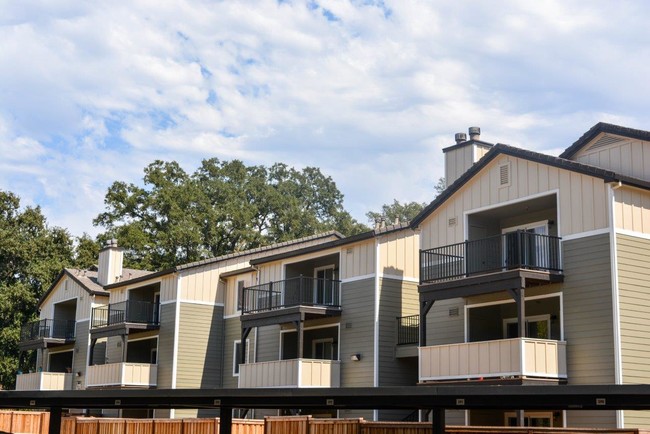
511	255
122	317
279	301
47	333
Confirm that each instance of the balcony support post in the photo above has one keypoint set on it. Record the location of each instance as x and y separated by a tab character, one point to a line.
123	347
55	420
425	307
438	420
225	420
301	338
519	296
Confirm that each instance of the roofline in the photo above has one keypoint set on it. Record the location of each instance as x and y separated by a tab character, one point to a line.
63	272
602	127
500	148
228	256
351	239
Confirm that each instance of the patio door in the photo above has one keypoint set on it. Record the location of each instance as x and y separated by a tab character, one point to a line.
324	285
523	250
324	349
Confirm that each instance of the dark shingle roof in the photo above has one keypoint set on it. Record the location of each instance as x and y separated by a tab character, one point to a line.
602	127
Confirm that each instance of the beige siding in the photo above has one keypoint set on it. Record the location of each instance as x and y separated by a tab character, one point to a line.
632	210
458	160
121	294
588	327
68	289
628	156
581	199
168	288
398	253
249	279
634	296
166	345
357	333
270	272
358	259
200	344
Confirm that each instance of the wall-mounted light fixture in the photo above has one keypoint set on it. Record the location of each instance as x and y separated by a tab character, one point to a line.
355	357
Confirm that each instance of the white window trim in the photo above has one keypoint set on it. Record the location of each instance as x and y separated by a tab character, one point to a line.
532	225
234	355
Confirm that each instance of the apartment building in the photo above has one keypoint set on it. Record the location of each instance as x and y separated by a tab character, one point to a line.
534	269
320	311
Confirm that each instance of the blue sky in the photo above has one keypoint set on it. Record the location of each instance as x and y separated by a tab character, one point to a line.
369	91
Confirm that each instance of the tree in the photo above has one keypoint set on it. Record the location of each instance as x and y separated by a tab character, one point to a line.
31	256
396	211
223	207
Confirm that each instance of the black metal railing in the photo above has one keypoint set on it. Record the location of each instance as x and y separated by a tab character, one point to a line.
297	291
408	329
143	312
518	249
48	328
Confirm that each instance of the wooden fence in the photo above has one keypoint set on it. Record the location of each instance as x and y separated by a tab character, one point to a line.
38	422
33	422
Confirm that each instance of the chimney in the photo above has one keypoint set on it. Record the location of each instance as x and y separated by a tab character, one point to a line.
460	156
460	137
110	263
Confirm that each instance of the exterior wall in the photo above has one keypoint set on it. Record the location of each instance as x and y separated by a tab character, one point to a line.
200	345
357	333
168	288
267	344
232	332
166	345
81	353
358	259
628	156
398	255
444	326
230	298
457	161
632	209
634	304
581	203
588	321
68	289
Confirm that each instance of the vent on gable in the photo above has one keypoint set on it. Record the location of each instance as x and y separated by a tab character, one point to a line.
606	140
452	221
454	311
504	174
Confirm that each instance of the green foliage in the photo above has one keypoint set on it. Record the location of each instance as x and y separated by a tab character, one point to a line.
223	207
31	256
396	211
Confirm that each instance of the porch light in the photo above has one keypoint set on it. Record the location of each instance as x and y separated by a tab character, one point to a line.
355	357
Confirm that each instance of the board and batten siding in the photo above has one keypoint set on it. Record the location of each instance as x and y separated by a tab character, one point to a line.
626	157
582	199
588	321
634	305
632	209
358	259
398	254
68	289
200	345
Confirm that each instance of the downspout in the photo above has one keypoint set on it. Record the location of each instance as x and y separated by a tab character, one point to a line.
618	362
375	413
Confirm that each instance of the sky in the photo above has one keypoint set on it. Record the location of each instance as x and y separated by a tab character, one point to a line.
368	91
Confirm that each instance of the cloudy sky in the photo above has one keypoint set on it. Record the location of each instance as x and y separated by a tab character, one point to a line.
369	91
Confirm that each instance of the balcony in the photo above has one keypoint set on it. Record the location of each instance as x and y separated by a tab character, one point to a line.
519	358
46	333
289	300
408	330
120	318
513	250
143	375
44	381
290	373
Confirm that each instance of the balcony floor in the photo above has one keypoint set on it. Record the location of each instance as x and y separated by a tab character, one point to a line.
288	314
121	329
486	283
43	343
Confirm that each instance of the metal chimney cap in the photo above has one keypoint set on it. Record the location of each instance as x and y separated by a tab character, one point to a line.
460	137
474	132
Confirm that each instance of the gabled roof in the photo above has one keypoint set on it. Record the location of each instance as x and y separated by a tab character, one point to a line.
499	149
203	262
87	279
602	127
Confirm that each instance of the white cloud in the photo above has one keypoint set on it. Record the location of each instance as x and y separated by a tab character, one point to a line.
368	91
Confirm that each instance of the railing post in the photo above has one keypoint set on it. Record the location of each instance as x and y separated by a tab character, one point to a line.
270	303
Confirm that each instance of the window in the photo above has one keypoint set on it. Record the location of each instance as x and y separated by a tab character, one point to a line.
324	349
537	327
236	357
240	293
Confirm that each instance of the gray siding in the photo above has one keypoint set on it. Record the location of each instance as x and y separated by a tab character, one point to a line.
445	329
79	360
357	334
233	333
634	304
200	345
588	320
268	341
166	345
114	349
